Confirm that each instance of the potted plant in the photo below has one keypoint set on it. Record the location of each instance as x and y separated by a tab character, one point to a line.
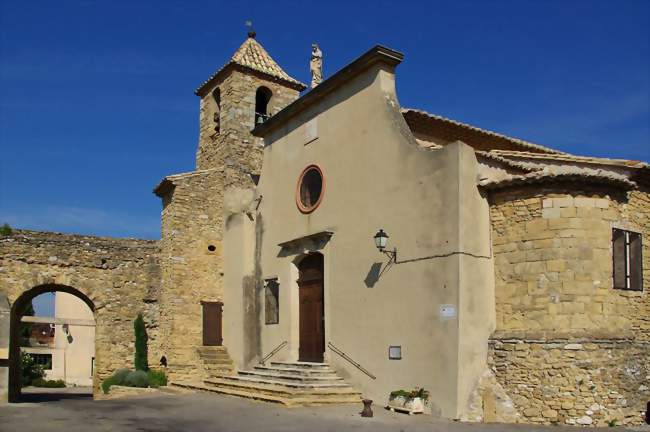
410	401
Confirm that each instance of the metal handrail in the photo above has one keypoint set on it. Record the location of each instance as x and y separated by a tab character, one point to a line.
272	353
349	359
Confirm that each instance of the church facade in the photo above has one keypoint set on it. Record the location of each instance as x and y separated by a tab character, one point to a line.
512	284
332	245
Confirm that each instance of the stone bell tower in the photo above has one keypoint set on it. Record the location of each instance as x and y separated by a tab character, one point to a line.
250	88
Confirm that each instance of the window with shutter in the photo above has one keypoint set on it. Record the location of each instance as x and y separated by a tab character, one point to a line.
636	262
627	260
272	301
618	250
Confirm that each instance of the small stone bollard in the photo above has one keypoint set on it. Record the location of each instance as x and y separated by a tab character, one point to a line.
367	411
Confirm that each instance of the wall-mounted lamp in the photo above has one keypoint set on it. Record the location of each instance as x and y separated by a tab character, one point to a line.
381	239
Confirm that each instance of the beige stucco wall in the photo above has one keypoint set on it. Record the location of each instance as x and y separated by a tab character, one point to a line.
75	347
376	177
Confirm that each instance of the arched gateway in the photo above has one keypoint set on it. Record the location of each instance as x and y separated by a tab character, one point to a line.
116	278
17	311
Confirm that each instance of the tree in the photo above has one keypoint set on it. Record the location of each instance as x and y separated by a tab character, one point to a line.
141	362
5	230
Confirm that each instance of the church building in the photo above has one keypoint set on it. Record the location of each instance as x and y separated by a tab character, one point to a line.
333	245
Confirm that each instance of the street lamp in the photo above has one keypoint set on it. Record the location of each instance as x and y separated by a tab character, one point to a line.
381	239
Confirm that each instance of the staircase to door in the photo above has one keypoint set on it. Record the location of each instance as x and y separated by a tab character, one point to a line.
288	383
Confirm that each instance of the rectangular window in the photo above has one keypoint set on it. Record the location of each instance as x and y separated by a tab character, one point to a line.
628	263
272	301
44	360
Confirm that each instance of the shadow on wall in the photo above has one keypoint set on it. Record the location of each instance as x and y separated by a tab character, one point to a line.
373	275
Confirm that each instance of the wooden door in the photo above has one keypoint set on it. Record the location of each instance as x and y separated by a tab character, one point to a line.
212	323
312	318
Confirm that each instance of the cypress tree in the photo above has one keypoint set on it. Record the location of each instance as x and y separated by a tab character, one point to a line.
141	362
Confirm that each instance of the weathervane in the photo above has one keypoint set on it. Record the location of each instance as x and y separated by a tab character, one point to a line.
251	32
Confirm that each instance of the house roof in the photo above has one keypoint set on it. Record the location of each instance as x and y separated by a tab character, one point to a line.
570	158
167	183
422	122
561	174
252	56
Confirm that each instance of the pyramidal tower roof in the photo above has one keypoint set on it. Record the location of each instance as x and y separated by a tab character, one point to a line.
251	55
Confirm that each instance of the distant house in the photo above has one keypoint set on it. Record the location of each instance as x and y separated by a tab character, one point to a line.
66	350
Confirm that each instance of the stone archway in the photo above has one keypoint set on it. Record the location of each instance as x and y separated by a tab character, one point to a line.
117	278
16	313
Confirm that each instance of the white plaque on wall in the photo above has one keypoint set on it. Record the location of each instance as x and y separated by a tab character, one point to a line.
447	311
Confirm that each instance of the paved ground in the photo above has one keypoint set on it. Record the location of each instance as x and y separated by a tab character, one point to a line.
74	411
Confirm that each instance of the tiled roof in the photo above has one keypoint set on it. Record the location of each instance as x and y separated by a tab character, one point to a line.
561	174
252	55
569	158
481	139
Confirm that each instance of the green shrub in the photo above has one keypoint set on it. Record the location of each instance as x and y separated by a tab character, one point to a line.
5	230
118	378
157	378
137	379
40	382
30	371
418	392
140	344
120	375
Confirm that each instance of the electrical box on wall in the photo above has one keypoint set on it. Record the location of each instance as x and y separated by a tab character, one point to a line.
395	352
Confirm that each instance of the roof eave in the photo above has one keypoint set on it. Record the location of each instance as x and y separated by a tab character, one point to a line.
203	89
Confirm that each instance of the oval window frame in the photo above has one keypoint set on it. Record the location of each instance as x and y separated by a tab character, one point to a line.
309	209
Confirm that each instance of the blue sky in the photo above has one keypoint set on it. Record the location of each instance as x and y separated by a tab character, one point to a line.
97	103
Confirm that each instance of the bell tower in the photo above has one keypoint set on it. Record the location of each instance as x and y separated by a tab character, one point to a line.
249	89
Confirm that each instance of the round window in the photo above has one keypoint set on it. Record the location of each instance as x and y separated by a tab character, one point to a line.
310	190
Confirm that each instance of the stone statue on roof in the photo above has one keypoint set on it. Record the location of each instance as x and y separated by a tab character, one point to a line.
316	65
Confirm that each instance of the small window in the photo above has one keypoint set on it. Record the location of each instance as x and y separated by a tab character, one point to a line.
272	301
44	360
310	189
628	267
262	99
216	118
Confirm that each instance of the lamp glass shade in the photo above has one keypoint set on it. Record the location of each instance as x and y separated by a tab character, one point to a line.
381	238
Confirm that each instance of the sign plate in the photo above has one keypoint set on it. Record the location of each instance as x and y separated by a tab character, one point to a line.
448	311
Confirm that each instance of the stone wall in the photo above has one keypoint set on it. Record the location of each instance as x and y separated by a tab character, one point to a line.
192	262
234	145
568	346
121	277
553	263
574	381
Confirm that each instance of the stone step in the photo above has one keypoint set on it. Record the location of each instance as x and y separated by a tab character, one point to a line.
301	365
212	350
297	371
216	361
305	401
288	383
278	375
313	396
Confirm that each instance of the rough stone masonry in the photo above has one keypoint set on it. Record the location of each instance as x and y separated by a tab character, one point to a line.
119	278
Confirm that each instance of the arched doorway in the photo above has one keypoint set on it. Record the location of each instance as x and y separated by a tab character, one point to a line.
17	311
311	310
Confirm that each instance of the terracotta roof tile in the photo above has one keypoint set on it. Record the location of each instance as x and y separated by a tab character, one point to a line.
561	174
252	55
569	158
472	135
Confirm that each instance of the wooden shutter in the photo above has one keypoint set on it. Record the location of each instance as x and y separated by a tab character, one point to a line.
636	262
618	254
